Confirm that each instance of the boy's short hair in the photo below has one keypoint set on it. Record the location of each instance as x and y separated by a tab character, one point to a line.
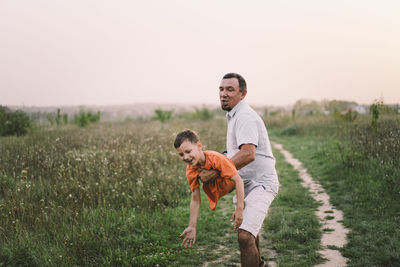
184	135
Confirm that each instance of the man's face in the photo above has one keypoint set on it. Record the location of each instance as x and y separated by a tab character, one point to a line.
229	93
191	153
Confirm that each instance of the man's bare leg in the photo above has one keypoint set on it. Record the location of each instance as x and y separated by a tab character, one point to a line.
258	247
249	253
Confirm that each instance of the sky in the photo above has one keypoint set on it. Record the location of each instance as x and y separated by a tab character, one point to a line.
98	52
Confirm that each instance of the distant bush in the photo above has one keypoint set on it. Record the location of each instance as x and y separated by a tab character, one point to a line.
84	118
276	120
377	109
349	115
291	130
162	115
50	118
65	118
203	114
57	118
13	123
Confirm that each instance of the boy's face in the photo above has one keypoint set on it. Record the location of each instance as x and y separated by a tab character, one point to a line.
191	153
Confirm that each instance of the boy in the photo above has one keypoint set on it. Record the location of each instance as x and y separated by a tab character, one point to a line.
190	150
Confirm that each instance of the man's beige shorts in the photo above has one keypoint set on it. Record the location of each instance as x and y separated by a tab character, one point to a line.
256	205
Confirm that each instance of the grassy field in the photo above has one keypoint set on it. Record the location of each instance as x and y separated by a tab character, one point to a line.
106	194
359	165
116	194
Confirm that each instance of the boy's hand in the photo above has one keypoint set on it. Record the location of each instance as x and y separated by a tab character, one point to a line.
237	217
190	237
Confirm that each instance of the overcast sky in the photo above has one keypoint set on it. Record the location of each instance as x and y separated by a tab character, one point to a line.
76	52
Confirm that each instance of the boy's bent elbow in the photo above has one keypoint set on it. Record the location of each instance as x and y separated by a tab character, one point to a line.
236	178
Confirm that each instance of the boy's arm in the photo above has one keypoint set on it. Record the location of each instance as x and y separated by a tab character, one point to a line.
238	214
190	231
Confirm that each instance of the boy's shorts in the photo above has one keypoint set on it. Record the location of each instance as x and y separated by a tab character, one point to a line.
256	205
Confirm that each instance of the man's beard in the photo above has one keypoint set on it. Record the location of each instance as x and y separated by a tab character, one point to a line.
225	107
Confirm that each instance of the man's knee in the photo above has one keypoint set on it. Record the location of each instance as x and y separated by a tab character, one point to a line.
245	238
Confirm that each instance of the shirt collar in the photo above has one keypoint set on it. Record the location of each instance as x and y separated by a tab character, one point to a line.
207	165
233	111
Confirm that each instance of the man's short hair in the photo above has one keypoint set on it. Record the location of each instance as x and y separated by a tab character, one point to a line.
184	135
241	80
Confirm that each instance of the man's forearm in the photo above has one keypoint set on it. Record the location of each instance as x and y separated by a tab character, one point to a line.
246	154
207	175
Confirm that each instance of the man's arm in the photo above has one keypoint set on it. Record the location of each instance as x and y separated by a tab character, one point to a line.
246	154
208	175
190	231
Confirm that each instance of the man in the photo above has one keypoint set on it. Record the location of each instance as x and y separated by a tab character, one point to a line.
249	148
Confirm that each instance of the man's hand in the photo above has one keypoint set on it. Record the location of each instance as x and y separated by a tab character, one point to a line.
208	175
190	237
237	217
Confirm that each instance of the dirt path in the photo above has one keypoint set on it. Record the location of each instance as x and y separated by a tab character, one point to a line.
335	236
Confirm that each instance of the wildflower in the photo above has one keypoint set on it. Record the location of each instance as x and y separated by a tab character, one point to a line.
24	174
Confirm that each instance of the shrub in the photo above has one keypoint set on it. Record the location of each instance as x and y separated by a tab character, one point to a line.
50	118
291	130
65	118
162	115
377	109
58	117
84	118
349	115
203	114
13	123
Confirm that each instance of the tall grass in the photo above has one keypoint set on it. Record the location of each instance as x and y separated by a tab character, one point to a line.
358	141
358	162
94	195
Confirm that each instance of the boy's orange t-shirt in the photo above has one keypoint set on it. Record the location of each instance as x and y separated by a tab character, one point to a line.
221	185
